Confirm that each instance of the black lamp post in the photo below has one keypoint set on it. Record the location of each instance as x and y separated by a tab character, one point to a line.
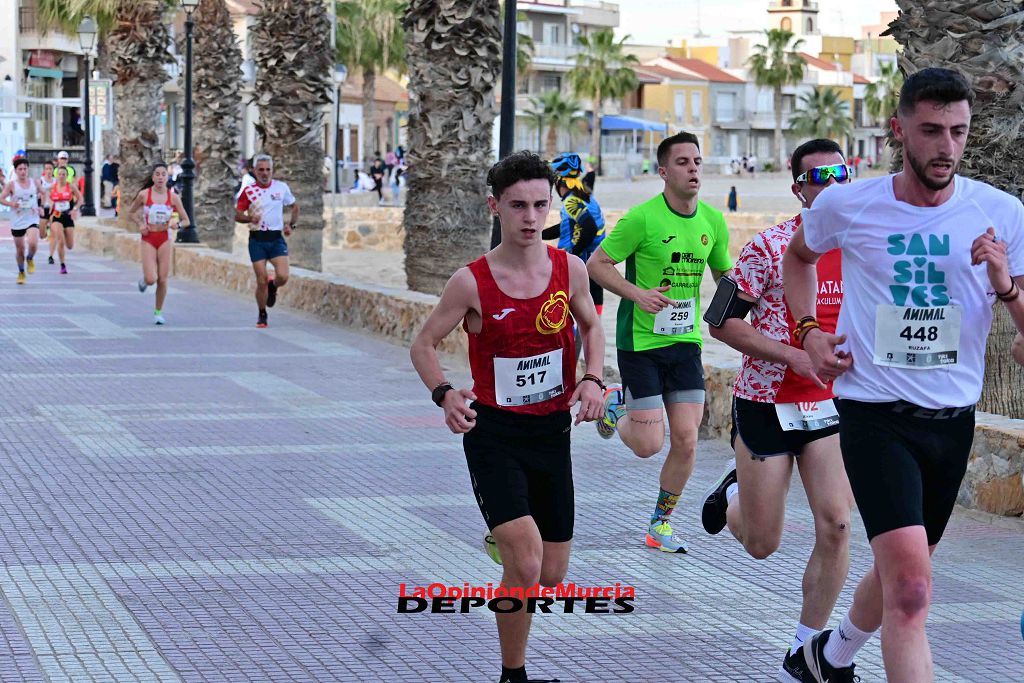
87	31
188	234
508	98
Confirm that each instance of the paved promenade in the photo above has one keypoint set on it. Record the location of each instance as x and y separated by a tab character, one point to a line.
209	501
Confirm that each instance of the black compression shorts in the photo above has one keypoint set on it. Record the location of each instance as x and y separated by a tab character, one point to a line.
520	466
905	463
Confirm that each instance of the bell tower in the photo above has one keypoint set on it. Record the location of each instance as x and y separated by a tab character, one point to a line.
797	16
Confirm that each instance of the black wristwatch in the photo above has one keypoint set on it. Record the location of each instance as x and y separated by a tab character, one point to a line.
437	395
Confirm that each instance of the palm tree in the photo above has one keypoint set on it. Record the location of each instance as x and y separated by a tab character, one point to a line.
370	39
216	118
454	59
603	71
136	37
557	113
985	34
822	114
292	50
883	96
775	65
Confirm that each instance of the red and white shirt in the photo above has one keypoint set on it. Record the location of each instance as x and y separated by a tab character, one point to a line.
758	273
270	200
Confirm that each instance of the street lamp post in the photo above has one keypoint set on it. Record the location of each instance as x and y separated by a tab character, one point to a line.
87	31
188	234
508	98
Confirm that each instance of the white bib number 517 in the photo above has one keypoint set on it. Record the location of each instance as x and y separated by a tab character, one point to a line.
916	338
524	381
675	319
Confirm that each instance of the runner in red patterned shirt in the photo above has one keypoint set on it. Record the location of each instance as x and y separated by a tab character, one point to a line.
782	411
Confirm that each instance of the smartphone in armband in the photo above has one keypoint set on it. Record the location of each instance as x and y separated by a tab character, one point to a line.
721	304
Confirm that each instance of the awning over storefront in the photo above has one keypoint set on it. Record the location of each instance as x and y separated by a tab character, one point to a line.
39	72
630	123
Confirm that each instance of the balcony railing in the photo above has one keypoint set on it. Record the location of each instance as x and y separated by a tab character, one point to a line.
555	51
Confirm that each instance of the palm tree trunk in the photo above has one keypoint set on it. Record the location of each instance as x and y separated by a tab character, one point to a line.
777	101
453	54
370	141
595	133
108	137
1003	391
552	142
292	37
138	52
216	116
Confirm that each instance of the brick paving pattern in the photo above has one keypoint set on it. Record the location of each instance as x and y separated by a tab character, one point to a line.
209	501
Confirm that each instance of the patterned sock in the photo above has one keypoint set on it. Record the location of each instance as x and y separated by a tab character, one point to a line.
666	504
802	634
843	644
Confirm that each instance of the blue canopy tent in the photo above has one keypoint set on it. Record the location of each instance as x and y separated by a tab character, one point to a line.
618	123
630	123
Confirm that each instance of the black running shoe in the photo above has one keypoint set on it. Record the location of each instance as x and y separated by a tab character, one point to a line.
794	668
50	260
271	293
818	667
712	513
533	680
261	321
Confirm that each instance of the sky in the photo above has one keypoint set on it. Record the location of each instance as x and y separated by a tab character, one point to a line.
655	22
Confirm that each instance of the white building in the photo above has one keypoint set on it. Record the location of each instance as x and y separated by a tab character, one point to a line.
45	72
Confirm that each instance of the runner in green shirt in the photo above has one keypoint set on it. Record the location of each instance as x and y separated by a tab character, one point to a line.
666	243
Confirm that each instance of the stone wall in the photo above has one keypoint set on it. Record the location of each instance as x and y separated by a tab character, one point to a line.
995	473
380	227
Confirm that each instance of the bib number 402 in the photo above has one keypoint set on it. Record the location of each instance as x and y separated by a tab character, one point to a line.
922	333
533	379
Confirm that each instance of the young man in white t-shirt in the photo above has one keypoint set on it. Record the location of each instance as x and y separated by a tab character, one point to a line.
783	413
261	205
926	253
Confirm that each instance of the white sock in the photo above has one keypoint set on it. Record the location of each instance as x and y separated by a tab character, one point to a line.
843	644
731	491
802	634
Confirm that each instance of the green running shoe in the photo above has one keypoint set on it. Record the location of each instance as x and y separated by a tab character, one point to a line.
491	548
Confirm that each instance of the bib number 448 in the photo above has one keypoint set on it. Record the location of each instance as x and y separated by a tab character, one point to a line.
922	333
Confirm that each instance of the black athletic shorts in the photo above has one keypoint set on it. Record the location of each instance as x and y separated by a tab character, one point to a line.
905	463
520	466
671	374
64	219
21	233
758	425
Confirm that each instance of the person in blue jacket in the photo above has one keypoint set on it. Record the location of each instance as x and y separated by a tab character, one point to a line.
582	226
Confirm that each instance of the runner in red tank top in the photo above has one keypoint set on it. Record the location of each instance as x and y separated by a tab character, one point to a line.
782	408
517	302
154	207
64	197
